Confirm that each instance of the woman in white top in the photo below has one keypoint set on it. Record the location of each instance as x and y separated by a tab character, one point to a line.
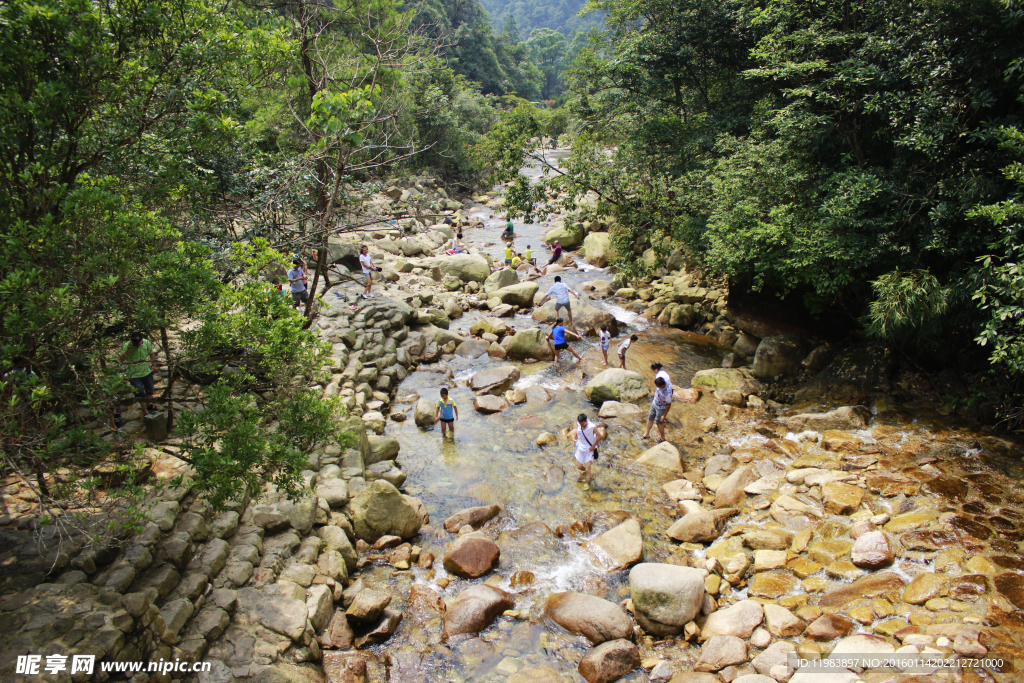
367	264
586	438
457	246
605	338
660	404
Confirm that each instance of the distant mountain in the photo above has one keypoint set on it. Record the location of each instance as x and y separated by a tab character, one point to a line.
558	15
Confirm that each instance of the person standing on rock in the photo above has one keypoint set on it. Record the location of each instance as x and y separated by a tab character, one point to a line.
623	347
660	405
297	283
560	291
508	254
448	413
367	264
586	437
604	337
557	336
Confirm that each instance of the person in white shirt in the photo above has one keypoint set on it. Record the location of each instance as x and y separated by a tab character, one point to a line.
586	438
660	404
560	292
623	347
457	246
604	337
367	264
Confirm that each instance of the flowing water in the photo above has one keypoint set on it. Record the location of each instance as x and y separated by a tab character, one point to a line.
493	459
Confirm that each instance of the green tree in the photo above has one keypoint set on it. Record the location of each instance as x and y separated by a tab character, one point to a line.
547	48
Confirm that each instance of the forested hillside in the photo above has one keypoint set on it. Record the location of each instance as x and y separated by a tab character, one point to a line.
863	160
526	15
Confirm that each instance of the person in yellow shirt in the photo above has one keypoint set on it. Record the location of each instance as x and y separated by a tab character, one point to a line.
516	260
528	255
508	254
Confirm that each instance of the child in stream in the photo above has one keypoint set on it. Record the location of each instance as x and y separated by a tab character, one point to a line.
557	335
448	412
586	437
604	337
623	347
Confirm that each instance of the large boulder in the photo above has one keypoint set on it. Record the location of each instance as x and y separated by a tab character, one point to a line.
678	315
500	278
616	384
779	355
697	527
586	319
521	294
598	248
343	252
424	413
494	380
495	326
382	448
475	609
465	267
568	235
381	510
474	517
472	348
489	404
730	385
471	556
846	418
609	661
731	492
596	619
618	548
664	456
666	597
530	344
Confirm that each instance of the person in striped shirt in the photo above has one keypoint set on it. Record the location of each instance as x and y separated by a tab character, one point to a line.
660	404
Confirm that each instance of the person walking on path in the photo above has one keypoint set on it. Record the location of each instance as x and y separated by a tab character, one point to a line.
556	253
560	291
448	412
297	283
586	438
660	405
604	337
623	347
557	336
137	355
367	264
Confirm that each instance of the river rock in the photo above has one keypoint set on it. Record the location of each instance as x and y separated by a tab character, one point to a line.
845	418
381	510
488	404
474	609
472	348
872	550
697	527
474	517
530	344
862	644
616	409
598	248
664	456
586	319
589	616
841	499
828	627
424	413
738	620
882	584
466	267
521	295
695	677
618	548
616	384
721	651
280	614
471	556
777	654
778	355
781	622
367	606
495	326
500	278
726	381
923	588
771	585
681	489
494	380
569	235
768	539
666	597
731	492
609	661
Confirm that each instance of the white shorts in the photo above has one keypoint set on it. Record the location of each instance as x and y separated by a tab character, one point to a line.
583	456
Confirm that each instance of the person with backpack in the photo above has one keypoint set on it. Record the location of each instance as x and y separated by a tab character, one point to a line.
586	438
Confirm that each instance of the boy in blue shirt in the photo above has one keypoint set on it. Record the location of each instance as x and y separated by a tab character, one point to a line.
448	412
557	335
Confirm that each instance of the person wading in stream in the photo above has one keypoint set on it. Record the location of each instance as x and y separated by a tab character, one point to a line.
561	292
586	438
623	347
557	336
448	412
660	404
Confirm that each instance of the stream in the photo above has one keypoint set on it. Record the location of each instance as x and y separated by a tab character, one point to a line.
971	478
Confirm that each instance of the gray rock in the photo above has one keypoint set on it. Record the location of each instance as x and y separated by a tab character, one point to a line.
163	514
846	418
380	510
738	620
280	614
500	278
609	661
320	606
474	609
616	384
666	597
175	614
779	355
334	491
336	539
381	448
588	616
494	381
474	517
721	651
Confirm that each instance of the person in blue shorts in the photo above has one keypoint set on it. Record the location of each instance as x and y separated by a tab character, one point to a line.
558	336
448	412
